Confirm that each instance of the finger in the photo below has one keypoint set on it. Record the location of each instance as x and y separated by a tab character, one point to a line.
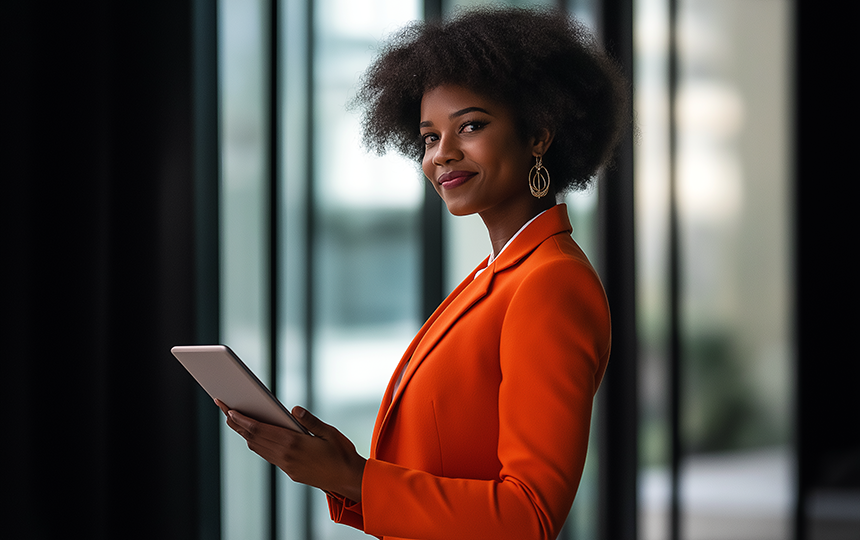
257	435
224	408
311	422
236	426
241	422
264	434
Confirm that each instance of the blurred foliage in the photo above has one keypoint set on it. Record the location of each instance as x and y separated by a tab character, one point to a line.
721	409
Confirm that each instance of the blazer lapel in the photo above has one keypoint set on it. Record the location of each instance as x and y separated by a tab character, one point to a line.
470	291
466	295
467	298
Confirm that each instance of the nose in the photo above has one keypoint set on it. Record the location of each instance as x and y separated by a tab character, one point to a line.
447	150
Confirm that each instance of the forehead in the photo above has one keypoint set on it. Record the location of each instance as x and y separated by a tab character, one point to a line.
442	101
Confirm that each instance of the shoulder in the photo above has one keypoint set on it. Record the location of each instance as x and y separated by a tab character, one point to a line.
558	308
559	261
557	281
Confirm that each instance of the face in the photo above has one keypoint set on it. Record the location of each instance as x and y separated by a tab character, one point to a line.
473	154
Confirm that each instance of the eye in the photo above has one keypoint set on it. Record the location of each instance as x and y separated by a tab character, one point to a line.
472	126
429	138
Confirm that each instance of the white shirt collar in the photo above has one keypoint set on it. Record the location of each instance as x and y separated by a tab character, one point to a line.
493	256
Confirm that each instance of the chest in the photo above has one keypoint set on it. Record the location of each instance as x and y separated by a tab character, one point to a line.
447	419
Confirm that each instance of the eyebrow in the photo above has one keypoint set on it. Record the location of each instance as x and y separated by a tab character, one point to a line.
456	114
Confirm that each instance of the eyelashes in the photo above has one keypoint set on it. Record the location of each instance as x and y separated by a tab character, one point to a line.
475	125
470	126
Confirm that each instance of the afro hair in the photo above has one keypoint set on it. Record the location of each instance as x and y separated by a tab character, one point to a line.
540	63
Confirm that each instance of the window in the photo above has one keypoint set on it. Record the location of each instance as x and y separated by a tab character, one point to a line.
322	252
713	179
320	291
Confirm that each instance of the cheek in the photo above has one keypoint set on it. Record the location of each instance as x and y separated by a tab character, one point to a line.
427	166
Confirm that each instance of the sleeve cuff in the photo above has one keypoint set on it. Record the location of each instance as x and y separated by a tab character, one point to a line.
345	511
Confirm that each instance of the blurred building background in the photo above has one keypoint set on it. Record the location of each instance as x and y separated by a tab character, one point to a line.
190	172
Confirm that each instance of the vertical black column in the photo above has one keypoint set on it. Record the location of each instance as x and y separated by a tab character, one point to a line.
618	395
99	244
828	370
206	249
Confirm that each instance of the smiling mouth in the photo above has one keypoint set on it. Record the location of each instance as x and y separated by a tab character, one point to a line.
455	178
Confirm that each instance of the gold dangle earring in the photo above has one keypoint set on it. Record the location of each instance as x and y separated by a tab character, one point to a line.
539	179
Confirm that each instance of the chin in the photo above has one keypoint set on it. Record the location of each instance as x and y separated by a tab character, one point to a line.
460	210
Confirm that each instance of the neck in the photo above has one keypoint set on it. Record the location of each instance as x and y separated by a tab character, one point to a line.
502	226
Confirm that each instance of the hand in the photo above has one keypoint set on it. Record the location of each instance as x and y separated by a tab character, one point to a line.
327	460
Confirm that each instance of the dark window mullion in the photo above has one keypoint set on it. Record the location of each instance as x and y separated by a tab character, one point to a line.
618	418
432	223
310	235
274	118
674	360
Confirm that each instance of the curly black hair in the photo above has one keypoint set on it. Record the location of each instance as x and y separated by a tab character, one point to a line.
540	63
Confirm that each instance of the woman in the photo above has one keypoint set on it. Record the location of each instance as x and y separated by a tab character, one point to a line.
483	429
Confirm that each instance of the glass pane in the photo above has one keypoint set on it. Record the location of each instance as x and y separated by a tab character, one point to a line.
449	6
366	234
734	207
244	252
651	33
292	246
582	521
733	196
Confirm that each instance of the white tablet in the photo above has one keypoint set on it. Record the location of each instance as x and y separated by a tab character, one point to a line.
226	378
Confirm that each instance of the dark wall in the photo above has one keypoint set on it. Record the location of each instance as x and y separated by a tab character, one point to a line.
99	249
828	374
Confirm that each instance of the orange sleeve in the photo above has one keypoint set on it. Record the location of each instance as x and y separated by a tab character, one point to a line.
345	511
554	345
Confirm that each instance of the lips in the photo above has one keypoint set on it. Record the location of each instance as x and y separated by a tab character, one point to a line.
455	178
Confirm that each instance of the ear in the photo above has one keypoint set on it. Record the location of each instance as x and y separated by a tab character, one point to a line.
541	141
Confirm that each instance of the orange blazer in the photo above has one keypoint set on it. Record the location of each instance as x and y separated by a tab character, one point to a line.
486	433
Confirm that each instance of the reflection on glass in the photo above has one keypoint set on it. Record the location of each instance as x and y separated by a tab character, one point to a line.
733	206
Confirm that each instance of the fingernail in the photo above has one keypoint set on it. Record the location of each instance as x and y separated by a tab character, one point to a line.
299	412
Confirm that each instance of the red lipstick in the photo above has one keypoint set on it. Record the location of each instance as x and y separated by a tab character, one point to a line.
455	178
